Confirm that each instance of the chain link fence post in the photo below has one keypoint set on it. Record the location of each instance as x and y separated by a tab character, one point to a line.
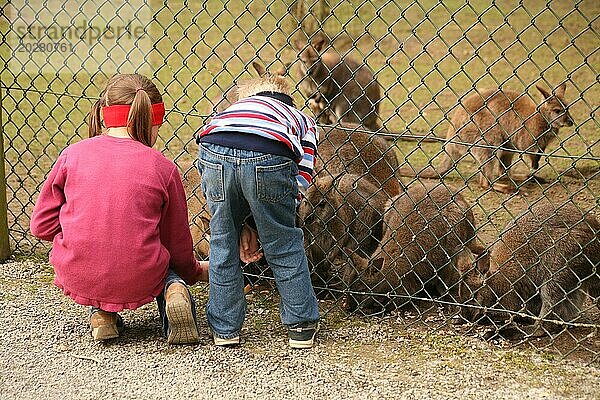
4	243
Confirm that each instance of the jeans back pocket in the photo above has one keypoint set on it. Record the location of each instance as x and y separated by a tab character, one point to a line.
275	182
212	180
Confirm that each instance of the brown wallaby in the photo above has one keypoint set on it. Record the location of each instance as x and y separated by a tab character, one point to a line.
341	212
199	215
543	264
500	121
425	229
346	150
345	87
230	96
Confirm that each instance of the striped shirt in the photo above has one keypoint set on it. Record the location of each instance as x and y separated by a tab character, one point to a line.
272	119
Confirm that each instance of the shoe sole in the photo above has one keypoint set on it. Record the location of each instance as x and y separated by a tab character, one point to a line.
105	332
183	329
302	344
226	342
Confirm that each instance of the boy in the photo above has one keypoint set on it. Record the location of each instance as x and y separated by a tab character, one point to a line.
255	159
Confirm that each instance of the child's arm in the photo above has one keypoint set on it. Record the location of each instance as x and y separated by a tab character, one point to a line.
44	222
175	233
306	166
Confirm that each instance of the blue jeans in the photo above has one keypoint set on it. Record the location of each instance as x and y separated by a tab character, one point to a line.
237	183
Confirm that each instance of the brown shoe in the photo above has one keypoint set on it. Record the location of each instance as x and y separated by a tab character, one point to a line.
182	324
105	325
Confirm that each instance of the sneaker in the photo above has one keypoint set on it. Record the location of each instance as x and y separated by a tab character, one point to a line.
105	325
302	336
182	325
225	342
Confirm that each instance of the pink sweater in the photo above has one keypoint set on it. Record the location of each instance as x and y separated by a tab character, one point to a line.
116	213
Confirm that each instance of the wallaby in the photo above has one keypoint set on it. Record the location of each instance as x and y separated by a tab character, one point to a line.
425	229
346	150
345	87
230	96
199	214
543	264
501	121
341	212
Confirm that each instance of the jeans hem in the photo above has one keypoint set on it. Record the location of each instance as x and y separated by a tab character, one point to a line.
226	336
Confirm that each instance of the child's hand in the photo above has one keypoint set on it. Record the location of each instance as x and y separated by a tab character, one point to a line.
249	245
203	271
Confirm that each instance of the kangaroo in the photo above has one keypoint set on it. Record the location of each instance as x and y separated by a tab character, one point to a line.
346	150
503	120
341	212
199	214
425	229
543	264
230	96
342	85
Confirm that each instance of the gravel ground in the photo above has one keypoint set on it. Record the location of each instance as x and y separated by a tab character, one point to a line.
46	352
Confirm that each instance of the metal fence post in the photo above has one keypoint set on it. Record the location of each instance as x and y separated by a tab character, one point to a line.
4	243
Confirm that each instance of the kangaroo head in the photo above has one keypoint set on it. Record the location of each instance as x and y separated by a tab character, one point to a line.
364	276
323	219
472	270
309	54
266	82
554	108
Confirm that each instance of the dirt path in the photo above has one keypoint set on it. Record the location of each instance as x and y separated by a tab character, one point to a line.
46	353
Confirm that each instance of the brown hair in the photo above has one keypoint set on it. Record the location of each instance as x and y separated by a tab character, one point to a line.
133	89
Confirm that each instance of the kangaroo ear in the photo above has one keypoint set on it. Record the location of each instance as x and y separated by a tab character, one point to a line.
259	68
376	265
319	42
483	263
560	91
465	261
357	263
298	44
543	91
357	260
283	71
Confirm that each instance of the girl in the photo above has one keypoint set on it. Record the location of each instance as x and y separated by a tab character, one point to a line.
115	210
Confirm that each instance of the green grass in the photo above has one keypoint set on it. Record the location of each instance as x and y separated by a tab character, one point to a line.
425	55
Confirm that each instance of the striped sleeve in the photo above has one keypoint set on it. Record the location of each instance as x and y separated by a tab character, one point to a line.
306	166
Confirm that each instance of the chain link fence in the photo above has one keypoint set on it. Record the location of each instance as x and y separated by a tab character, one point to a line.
458	169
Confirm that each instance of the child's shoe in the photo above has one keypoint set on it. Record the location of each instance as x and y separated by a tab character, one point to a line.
302	336
222	342
182	325
105	325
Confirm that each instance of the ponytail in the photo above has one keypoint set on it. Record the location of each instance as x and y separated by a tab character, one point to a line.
132	90
140	118
95	126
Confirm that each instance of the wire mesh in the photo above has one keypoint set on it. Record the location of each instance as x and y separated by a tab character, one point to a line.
466	94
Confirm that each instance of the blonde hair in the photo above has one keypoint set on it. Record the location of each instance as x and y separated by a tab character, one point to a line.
129	89
266	83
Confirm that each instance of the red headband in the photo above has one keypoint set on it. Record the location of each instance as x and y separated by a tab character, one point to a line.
117	115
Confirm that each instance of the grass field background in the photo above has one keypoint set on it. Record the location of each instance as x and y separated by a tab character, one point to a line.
424	54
